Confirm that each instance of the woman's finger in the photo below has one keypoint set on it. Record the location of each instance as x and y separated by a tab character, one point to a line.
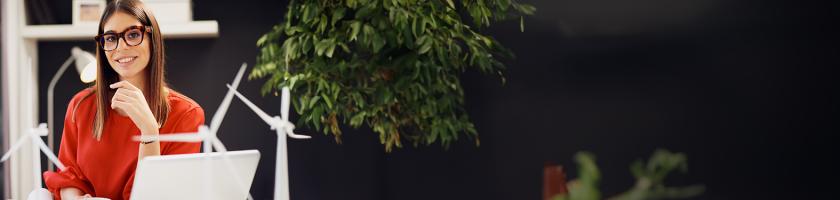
120	104
124	98
120	97
124	84
127	92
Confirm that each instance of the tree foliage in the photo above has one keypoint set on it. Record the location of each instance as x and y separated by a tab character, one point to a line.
391	64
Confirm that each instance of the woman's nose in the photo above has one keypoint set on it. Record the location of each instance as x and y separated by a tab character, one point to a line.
122	44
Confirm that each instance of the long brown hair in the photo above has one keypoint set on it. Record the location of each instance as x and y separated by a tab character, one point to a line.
106	75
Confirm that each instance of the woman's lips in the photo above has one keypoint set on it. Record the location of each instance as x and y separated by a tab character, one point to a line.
126	61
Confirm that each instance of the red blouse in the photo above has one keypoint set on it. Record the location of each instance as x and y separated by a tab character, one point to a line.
105	168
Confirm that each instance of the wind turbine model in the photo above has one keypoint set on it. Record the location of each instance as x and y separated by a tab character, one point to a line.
38	145
208	136
35	135
283	128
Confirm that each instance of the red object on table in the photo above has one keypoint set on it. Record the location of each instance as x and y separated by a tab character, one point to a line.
554	180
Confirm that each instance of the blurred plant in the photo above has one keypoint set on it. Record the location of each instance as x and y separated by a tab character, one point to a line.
649	179
396	69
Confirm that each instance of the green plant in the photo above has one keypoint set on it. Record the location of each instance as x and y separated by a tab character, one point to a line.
649	179
391	64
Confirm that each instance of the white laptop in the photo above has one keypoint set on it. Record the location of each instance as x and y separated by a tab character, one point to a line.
182	176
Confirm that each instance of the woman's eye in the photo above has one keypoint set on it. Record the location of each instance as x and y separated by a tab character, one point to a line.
133	35
110	38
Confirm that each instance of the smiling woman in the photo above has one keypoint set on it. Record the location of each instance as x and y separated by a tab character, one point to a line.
131	98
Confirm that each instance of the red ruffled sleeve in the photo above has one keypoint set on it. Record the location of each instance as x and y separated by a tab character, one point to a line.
71	176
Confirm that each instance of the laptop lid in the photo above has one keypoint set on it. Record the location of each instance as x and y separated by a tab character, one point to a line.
182	176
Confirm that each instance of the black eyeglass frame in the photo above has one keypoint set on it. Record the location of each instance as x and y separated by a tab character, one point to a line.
100	39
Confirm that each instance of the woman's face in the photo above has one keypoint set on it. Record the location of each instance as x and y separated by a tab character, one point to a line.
128	61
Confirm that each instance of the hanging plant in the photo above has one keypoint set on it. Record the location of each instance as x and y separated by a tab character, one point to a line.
391	64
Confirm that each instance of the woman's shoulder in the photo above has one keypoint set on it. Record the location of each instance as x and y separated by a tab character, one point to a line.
180	103
83	97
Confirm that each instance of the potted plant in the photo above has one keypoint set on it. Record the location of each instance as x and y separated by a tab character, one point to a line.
649	179
391	64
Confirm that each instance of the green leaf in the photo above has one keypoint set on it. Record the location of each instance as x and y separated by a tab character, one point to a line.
504	4
420	40
637	169
323	23
527	9
351	4
330	50
356	26
414	27
450	3
378	43
416	71
327	100
426	46
297	106
362	13
313	101
303	103
357	120
344	46
522	23
337	15
316	117
359	100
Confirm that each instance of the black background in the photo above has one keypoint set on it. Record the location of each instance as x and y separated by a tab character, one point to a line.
736	85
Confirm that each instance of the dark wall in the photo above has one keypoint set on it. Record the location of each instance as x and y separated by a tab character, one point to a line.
718	80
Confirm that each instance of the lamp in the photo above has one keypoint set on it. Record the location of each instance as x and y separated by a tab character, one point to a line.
86	66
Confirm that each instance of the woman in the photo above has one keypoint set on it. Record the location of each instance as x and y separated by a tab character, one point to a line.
130	98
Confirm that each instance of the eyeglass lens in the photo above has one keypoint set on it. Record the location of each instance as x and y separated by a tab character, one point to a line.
132	37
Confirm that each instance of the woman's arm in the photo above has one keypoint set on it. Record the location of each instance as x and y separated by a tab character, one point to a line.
72	193
130	100
150	149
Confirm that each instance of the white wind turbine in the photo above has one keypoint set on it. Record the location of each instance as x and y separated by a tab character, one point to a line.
280	124
38	145
208	136
283	128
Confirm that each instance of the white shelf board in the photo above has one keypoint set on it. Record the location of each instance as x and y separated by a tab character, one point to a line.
69	32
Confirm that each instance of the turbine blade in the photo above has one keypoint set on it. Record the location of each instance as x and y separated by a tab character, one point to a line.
220	113
46	150
218	145
14	148
235	173
265	117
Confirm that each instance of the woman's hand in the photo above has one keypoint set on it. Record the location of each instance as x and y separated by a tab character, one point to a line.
72	193
131	100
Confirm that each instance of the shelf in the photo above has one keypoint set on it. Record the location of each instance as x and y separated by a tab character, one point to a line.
69	32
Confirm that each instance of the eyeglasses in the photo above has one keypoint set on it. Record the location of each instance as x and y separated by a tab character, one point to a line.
132	35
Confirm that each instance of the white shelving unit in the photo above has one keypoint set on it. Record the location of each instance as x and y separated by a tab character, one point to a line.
20	45
68	32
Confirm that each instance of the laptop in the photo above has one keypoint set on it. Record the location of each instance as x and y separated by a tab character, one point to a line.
182	176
